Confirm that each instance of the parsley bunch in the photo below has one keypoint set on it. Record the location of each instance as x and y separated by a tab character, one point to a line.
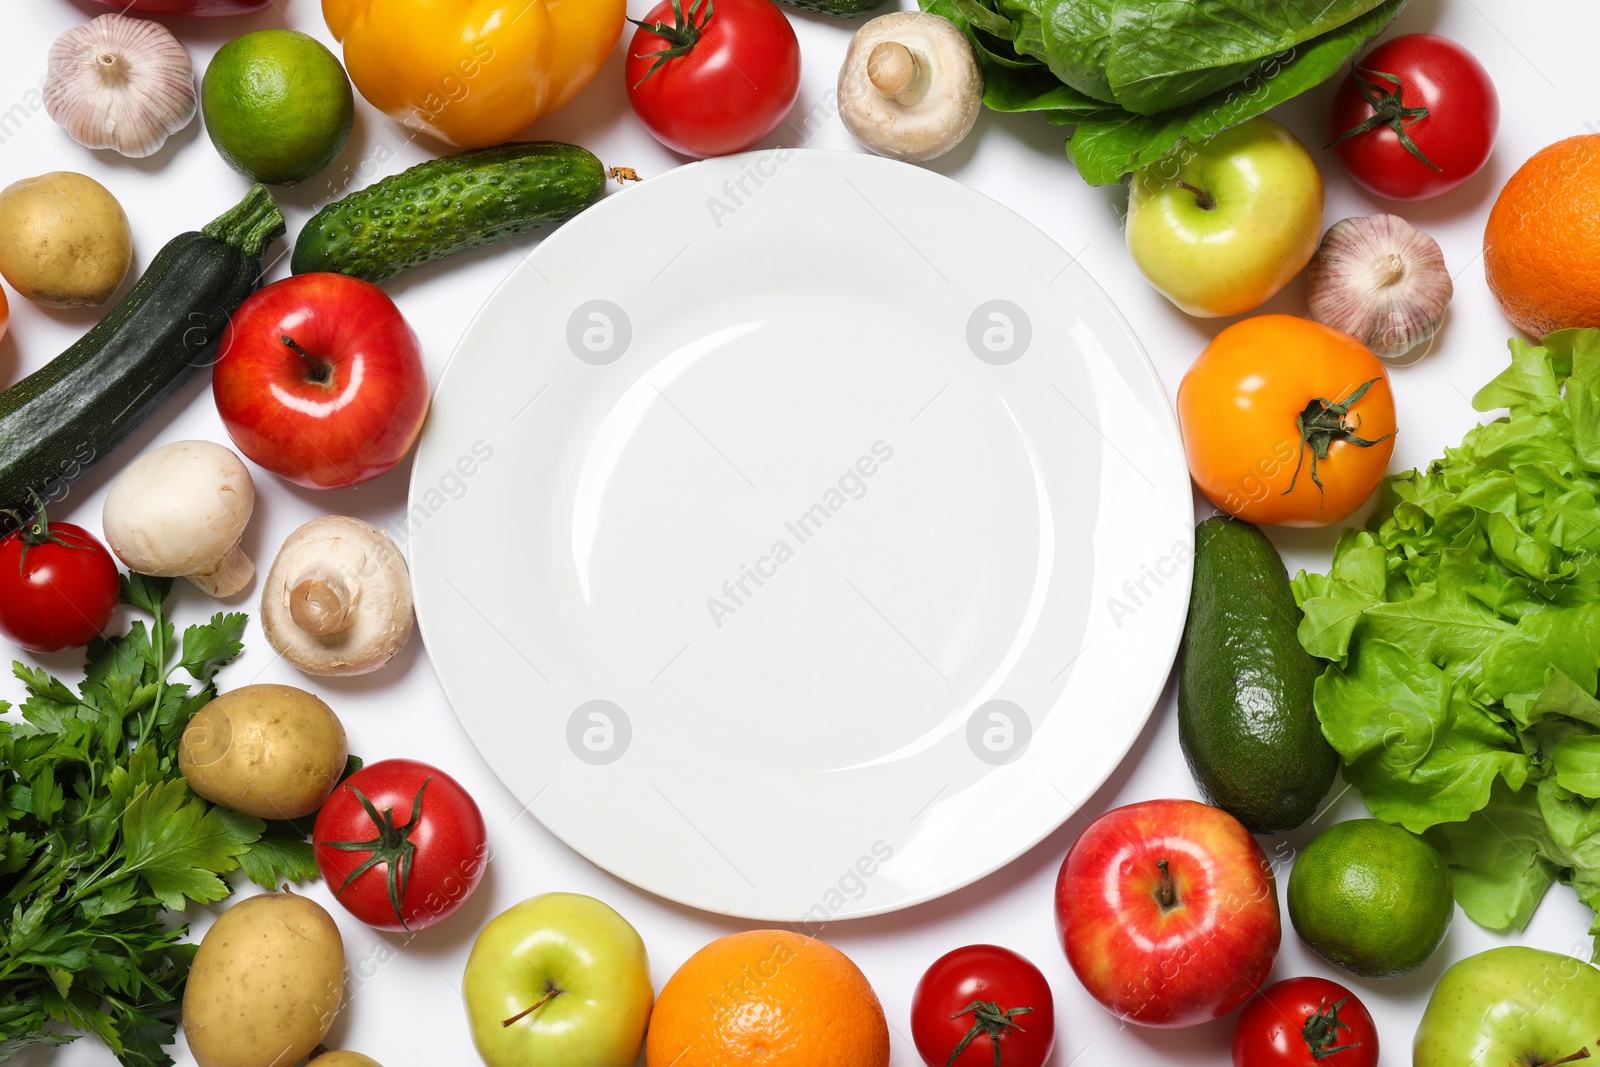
100	837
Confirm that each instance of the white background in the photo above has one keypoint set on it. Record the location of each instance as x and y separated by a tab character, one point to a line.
406	1011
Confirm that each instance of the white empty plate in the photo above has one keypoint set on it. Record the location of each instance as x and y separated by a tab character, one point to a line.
801	535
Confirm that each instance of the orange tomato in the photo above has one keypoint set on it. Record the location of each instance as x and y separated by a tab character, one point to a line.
1287	422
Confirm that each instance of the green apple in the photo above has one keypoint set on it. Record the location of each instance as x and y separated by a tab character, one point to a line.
1220	226
560	978
1511	1007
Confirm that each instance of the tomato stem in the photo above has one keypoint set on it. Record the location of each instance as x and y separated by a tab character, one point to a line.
393	846
1388	109
1324	422
550	994
38	532
987	1018
681	36
1321	1030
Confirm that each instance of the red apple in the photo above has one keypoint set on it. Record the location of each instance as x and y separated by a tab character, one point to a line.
321	381
1168	912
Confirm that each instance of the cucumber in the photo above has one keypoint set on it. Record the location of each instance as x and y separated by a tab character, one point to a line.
1245	718
839	9
449	205
64	418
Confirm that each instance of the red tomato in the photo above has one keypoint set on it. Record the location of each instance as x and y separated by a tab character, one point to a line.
979	995
717	80
1305	1022
1415	118
58	586
401	844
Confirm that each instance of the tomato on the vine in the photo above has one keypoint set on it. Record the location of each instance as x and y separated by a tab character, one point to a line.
58	585
1286	421
1305	1022
401	844
981	1005
1415	118
715	79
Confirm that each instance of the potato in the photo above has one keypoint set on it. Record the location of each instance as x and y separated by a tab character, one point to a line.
344	1059
64	240
272	751
265	985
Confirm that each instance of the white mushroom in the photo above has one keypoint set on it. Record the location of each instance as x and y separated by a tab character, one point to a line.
180	511
337	600
910	87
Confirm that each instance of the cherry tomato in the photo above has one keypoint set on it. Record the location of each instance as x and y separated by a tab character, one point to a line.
716	78
1286	422
401	844
1415	118
974	997
1305	1022
58	586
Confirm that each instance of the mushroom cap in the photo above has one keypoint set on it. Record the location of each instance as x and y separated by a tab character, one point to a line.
363	570
934	111
180	509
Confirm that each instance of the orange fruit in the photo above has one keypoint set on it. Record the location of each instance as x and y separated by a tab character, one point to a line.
770	998
1541	250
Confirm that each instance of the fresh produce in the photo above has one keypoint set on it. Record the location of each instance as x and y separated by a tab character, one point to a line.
58	585
321	381
120	83
1222	226
62	419
1463	626
449	205
839	9
477	75
1371	898
558	978
266	983
209	8
343	1059
980	1005
180	512
1541	248
1305	1022
5	314
1138	80
1168	912
1245	719
64	240
337	600
1415	117
771	996
1511	1005
277	106
910	87
1286	422
272	751
1380	281
93	775
714	78
401	844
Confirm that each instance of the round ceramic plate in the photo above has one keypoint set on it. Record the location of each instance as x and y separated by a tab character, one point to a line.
801	535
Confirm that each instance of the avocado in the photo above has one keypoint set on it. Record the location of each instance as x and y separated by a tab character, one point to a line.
1245	717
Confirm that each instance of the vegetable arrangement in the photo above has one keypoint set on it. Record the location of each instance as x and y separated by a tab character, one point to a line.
1463	630
1137	80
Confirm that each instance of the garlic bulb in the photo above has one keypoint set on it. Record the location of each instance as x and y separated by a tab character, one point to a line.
120	83
1380	280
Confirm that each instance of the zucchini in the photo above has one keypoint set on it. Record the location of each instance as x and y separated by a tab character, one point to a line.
449	205
839	9
75	410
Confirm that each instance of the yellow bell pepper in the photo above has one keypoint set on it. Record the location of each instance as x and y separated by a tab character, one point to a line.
473	73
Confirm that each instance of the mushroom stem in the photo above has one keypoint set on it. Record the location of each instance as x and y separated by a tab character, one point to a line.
896	72
228	575
320	608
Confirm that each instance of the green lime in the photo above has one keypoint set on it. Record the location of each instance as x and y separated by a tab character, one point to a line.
277	105
1372	898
